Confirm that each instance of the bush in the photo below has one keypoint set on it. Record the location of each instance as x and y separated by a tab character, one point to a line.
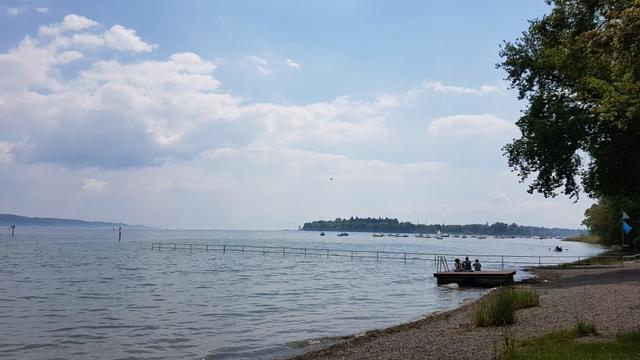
584	329
499	307
496	310
524	298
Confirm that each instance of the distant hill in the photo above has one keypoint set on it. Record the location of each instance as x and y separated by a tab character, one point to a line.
18	221
388	225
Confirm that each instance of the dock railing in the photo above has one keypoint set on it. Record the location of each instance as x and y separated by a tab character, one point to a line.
488	261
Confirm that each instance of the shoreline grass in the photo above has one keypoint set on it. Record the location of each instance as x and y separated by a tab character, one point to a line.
498	308
567	345
586	238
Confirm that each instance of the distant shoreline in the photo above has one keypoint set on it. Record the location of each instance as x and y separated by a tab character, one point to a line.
49	222
392	225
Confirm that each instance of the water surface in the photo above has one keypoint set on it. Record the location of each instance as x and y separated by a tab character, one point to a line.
78	294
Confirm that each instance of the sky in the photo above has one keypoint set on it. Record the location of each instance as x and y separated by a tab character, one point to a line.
263	114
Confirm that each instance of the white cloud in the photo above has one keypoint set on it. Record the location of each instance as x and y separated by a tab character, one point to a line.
154	110
459	90
94	185
42	10
292	64
467	125
70	23
258	60
85	40
123	39
142	132
5	152
15	11
262	65
500	196
26	65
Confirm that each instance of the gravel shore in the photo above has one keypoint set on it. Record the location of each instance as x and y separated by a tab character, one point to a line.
607	297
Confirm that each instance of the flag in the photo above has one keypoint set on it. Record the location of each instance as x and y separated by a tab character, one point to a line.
625	227
625	216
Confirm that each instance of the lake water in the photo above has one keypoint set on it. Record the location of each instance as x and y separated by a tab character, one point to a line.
79	294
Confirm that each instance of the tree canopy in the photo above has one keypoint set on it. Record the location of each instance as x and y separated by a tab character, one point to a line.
578	68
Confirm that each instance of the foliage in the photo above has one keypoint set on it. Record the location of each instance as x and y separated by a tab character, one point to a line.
578	70
498	308
604	219
395	226
506	344
563	345
586	238
583	328
524	298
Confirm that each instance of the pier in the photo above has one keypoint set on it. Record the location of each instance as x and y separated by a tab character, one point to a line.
475	278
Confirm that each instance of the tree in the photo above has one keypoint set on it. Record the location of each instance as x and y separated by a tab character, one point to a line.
604	219
578	68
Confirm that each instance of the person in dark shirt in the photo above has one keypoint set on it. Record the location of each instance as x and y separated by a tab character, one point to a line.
466	264
477	266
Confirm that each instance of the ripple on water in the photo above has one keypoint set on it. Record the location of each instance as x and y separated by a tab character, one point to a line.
88	294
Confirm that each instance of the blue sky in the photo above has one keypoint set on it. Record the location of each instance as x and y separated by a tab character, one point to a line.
236	114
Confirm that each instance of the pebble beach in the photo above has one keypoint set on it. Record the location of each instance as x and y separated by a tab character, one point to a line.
609	298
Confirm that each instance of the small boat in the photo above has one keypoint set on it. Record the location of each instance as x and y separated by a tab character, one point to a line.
558	249
343	234
322	233
378	235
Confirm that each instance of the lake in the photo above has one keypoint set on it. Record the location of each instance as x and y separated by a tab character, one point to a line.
78	294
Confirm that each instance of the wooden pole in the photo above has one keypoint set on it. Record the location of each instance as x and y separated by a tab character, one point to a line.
13	230
622	228
119	233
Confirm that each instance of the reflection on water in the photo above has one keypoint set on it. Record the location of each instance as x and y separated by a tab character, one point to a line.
75	294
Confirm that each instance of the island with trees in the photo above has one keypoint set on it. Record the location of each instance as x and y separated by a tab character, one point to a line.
388	225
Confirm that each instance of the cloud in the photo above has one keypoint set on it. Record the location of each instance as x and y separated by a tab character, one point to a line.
468	125
70	23
5	152
437	86
94	185
123	39
500	196
15	11
42	10
292	64
262	65
117	114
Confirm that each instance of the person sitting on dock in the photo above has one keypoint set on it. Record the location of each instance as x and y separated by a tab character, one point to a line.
457	266
477	266
466	264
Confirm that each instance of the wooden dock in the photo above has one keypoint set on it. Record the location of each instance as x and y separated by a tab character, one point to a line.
476	278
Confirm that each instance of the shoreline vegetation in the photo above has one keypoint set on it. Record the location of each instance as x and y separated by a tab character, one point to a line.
392	225
585	238
577	308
